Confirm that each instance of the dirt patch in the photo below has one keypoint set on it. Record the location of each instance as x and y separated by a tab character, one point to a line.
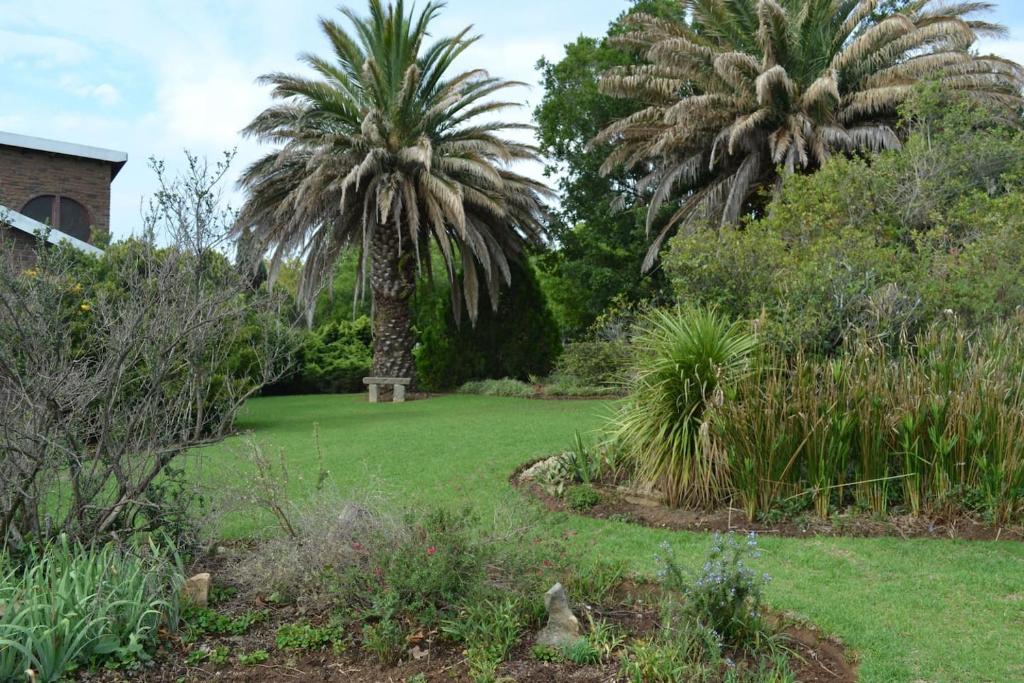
631	607
818	659
618	504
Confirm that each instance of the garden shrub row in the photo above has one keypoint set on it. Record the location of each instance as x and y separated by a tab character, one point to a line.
384	575
885	246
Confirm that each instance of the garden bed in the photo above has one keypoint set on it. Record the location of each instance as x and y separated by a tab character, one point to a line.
617	503
631	608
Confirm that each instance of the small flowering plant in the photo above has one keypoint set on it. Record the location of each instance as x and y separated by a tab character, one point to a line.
726	594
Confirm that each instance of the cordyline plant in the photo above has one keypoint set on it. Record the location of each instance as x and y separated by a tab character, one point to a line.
111	368
737	93
386	150
685	362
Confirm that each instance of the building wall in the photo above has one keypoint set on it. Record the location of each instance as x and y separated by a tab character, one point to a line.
18	247
26	174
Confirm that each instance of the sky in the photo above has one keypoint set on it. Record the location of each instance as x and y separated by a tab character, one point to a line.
155	77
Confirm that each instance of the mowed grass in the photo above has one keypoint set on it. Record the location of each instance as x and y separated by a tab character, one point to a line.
919	610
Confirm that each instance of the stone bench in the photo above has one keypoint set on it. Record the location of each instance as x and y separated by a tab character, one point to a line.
399	384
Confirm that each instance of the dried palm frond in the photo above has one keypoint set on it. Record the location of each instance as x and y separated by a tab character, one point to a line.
744	86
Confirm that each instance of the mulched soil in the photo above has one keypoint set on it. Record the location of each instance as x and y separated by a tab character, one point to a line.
622	505
814	658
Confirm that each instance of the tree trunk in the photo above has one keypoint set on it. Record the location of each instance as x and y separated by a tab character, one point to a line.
393	281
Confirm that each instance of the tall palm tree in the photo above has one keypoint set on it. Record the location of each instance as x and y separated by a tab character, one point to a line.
734	90
384	150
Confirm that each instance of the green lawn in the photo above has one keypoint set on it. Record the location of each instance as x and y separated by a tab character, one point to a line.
912	610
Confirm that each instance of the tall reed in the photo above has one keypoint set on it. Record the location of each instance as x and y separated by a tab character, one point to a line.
937	428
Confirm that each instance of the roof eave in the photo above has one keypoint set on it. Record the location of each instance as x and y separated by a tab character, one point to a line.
116	159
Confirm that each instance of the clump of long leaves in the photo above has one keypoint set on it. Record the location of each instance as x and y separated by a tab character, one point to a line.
937	428
66	606
686	361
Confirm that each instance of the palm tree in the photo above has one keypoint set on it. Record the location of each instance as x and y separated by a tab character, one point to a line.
734	90
385	151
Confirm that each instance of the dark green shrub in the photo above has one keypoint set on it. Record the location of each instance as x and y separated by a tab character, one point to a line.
332	359
498	387
885	246
807	291
336	357
596	363
519	340
582	497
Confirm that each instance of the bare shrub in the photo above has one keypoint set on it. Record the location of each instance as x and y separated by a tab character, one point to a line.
111	368
356	548
331	535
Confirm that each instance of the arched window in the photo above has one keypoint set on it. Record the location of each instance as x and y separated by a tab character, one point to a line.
62	213
41	209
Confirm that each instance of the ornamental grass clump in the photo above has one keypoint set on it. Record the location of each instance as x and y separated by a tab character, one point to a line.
67	606
686	361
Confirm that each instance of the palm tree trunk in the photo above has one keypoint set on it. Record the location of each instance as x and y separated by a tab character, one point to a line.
393	281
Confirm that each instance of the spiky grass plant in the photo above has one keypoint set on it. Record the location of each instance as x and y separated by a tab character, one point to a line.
70	605
685	362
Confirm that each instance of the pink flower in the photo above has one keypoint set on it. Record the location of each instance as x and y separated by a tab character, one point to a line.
431	550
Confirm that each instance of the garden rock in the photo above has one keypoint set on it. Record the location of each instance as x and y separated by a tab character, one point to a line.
540	470
196	590
563	627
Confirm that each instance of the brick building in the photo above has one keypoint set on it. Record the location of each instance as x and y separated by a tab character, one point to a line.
57	184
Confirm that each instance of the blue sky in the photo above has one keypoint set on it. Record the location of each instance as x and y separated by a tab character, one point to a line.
156	77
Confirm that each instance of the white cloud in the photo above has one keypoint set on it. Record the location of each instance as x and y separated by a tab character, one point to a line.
1012	48
11	121
208	104
40	51
105	93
